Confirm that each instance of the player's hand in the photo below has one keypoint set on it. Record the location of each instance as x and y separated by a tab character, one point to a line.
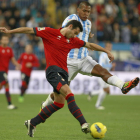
91	35
4	30
18	67
110	56
28	65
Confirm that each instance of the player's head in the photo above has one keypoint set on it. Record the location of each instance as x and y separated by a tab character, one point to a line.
84	10
4	40
74	27
28	49
108	46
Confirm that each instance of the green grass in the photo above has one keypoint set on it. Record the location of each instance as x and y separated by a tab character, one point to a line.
121	116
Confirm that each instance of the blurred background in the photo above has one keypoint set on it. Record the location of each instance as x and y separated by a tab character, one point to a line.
117	21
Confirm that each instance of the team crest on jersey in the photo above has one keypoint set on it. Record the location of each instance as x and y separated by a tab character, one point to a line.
68	41
41	28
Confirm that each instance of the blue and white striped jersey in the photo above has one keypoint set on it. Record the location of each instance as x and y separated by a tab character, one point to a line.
104	61
82	52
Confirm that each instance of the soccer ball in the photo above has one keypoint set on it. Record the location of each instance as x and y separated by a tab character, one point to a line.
98	130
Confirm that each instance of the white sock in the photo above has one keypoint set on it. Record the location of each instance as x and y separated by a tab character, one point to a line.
48	101
115	81
100	99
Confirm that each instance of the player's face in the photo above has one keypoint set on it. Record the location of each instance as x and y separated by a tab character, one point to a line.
84	12
4	41
28	49
72	32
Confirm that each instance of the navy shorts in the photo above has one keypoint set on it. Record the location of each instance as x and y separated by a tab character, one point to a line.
3	77
57	77
25	78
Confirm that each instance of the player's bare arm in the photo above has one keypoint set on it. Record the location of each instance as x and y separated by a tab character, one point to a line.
25	30
91	35
96	47
13	60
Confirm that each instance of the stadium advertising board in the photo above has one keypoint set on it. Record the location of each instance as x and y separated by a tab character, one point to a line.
81	84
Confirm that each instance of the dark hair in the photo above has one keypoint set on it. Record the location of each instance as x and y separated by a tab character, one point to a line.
75	24
4	35
84	3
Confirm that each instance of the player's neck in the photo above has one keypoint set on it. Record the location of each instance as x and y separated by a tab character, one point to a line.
63	31
4	46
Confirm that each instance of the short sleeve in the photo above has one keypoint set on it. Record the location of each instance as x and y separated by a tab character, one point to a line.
41	31
69	18
77	43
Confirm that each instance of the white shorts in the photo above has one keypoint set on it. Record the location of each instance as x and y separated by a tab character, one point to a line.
83	66
102	83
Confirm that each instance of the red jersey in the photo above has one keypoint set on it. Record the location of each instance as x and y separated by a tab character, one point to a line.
57	46
28	58
6	53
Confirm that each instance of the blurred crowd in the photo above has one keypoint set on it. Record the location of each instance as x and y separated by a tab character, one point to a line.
112	20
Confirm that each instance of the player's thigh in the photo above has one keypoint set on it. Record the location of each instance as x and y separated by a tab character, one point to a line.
87	66
25	78
99	71
3	78
57	77
72	69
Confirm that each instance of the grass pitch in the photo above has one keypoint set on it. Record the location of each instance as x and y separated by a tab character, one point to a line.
121	116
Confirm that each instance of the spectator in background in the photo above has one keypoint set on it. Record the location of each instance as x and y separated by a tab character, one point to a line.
3	7
108	31
116	32
12	7
31	22
27	15
7	15
1	15
134	35
125	33
17	17
111	8
12	23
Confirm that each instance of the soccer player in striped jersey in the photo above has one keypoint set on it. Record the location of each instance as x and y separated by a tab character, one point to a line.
6	55
78	60
104	62
28	60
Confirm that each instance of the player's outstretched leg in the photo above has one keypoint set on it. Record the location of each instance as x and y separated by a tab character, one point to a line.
114	80
45	113
76	112
129	85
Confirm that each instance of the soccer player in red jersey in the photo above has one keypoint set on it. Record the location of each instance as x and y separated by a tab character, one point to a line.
57	44
6	54
28	60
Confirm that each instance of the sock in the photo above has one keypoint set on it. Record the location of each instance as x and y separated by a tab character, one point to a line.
74	109
46	112
48	101
115	81
8	96
23	88
101	97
